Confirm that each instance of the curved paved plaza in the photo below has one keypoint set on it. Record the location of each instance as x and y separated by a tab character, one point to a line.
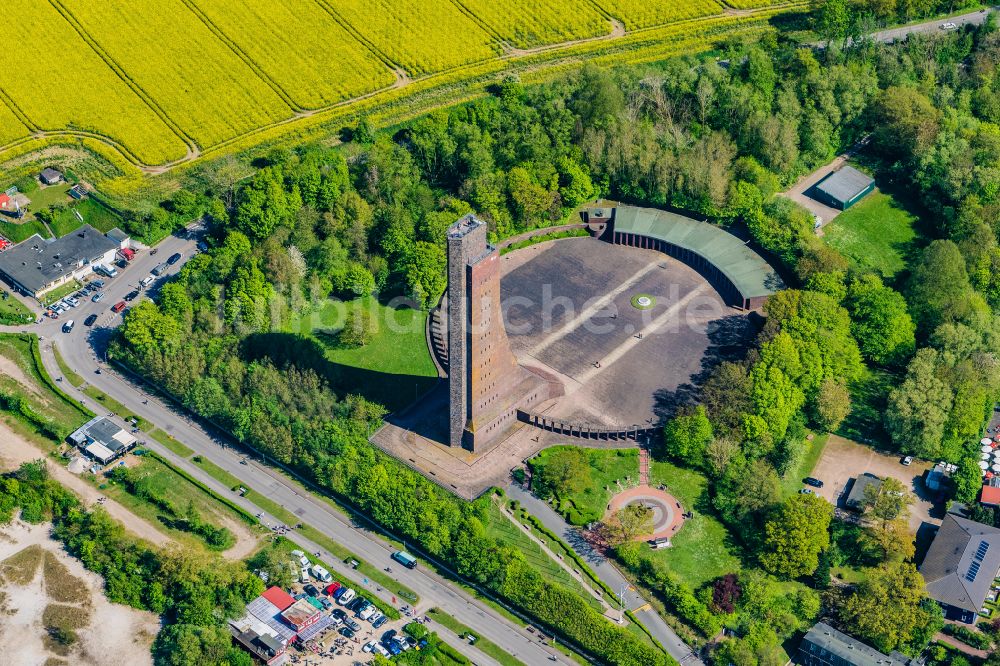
667	511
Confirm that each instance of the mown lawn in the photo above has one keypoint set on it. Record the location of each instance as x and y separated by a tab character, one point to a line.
507	533
64	220
19	232
792	482
606	466
875	234
13	311
702	549
393	368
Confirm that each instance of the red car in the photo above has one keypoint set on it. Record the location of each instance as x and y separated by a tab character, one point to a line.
119	306
331	588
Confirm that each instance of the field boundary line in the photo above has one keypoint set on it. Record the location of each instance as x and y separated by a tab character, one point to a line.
242	55
123	74
361	39
18	112
503	43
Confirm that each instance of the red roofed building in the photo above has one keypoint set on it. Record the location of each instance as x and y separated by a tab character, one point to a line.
991	492
5	201
301	614
278	597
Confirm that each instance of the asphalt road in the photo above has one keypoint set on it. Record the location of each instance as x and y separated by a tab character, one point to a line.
83	351
977	17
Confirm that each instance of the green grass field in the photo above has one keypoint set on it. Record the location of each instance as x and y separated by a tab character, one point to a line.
171	443
65	221
507	533
43	197
865	421
59	292
19	232
875	234
792	481
68	373
702	549
23	377
393	368
163	482
606	467
13	311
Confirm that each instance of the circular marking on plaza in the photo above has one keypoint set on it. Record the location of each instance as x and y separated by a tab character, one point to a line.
643	301
667	512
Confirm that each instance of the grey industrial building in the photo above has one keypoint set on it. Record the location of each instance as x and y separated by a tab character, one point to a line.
38	265
843	188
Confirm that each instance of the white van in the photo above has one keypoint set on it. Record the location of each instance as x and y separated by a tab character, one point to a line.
319	573
367	613
304	575
347	597
109	271
304	561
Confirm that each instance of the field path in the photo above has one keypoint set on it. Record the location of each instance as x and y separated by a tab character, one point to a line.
15	449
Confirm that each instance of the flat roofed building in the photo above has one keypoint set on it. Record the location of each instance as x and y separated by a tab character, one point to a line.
961	565
102	439
825	646
37	265
301	614
842	188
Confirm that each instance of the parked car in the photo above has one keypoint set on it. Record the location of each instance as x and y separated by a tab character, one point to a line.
72	302
146	281
806	491
346	597
369	646
812	481
375	617
311	590
174	258
89	321
68	326
949	26
389	635
96	298
99	284
380	649
132	295
160	269
908	460
326	603
119	306
339	614
352	624
367	612
346	632
332	587
377	624
202	246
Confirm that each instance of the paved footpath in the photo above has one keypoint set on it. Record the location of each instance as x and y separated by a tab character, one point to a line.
608	573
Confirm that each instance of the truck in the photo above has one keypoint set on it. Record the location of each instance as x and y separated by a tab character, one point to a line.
405	559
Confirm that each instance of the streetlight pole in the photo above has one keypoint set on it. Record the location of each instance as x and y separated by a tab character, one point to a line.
621	603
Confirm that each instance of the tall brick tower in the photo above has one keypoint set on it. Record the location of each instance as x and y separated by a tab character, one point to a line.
486	384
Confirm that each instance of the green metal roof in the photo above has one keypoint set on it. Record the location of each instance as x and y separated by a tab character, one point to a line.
746	269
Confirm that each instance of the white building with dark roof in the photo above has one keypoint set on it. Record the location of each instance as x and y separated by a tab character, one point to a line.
102	439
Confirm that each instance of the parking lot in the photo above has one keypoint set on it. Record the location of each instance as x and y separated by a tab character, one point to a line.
842	460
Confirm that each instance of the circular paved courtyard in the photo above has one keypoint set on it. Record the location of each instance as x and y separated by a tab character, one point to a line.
569	312
667	512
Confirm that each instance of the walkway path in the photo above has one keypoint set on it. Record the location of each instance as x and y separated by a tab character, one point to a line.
607	572
959	645
643	466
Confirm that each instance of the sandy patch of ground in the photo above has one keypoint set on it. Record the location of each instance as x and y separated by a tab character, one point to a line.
247	542
14	371
15	449
114	636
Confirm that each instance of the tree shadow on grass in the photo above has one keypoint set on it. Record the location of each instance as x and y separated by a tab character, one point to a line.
394	391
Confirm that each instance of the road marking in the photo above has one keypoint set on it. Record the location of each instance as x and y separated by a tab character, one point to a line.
596	307
627	346
642	608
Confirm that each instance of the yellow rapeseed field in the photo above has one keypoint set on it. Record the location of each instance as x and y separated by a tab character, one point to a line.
751	4
422	36
315	60
59	83
647	13
200	83
528	23
11	129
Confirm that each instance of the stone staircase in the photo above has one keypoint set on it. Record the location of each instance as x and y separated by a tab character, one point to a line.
643	466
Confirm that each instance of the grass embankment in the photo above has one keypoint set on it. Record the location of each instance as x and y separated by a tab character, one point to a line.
59	293
507	533
489	648
792	481
171	443
288	518
877	234
535	240
607	469
162	494
68	373
393	368
64	220
41	403
17	233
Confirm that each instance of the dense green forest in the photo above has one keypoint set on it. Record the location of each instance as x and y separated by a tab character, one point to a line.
719	138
